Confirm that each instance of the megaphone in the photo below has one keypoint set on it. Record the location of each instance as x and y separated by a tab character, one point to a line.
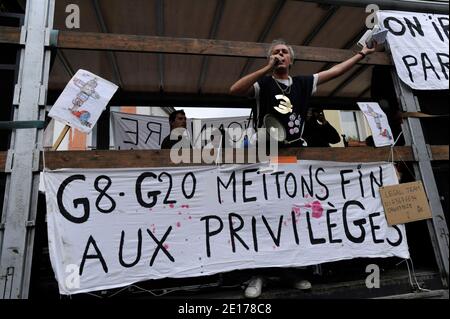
372	37
274	128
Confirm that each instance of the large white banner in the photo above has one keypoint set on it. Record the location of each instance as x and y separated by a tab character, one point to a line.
134	131
111	228
419	45
378	122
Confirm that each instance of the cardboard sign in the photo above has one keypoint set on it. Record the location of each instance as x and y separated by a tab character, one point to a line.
405	203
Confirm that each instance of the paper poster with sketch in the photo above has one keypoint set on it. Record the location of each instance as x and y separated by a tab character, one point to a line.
83	100
378	122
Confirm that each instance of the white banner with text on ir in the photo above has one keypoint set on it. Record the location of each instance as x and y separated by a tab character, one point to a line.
419	44
116	227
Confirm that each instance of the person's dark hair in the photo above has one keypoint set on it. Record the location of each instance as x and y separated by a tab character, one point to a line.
369	141
174	114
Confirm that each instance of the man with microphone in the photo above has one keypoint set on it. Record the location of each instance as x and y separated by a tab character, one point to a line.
283	97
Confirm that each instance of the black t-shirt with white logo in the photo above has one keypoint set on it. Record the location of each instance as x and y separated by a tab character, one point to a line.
288	105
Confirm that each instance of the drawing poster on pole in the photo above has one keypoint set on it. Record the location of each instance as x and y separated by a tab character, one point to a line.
378	122
83	100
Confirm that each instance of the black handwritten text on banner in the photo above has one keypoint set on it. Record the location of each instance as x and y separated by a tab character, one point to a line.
127	225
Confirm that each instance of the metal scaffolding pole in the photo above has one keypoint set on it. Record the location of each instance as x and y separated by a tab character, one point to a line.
22	167
414	136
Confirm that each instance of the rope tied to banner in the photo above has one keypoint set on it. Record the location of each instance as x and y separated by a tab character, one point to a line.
414	285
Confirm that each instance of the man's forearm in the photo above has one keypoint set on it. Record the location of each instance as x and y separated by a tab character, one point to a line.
343	67
243	86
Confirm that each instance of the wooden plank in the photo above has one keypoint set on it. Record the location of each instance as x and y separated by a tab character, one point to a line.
439	152
158	158
151	44
9	35
154	158
3	161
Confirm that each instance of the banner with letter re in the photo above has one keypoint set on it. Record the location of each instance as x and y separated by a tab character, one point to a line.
419	43
136	131
110	228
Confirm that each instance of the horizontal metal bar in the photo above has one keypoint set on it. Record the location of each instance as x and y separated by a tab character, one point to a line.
12	125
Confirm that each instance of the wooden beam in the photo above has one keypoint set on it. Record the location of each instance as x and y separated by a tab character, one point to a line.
155	158
9	35
439	152
150	44
3	156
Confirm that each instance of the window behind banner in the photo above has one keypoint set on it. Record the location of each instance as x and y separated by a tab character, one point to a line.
354	125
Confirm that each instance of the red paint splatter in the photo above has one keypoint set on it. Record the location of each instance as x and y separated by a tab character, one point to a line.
166	246
190	217
179	213
178	224
185	206
285	223
171	205
317	209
